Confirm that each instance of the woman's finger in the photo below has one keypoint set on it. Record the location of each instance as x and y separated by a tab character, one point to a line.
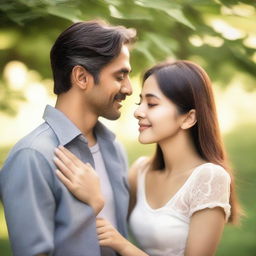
66	160
71	156
64	180
103	236
101	222
63	168
104	242
72	162
101	230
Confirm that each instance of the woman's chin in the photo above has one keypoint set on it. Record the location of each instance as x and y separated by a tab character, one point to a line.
145	140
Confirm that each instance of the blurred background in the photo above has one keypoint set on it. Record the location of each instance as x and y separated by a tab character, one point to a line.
219	35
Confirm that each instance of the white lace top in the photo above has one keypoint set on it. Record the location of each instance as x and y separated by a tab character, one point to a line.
164	231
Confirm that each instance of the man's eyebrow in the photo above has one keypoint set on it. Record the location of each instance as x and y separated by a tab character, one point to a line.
124	71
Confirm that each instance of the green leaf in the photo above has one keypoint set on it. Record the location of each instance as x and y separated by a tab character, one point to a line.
161	43
64	11
178	15
143	47
130	13
173	10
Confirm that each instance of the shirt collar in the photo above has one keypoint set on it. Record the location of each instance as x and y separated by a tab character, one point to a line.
66	130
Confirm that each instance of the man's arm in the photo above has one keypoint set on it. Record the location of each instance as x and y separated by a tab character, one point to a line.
29	204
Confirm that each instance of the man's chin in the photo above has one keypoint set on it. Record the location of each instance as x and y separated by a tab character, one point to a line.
112	116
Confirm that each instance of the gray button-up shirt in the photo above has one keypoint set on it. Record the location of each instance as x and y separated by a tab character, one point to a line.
41	215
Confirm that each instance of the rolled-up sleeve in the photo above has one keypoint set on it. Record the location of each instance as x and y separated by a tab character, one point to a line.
29	203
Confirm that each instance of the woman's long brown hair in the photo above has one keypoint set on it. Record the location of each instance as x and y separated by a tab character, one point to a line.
188	86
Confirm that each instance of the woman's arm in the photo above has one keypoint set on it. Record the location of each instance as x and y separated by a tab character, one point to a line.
80	178
205	232
110	237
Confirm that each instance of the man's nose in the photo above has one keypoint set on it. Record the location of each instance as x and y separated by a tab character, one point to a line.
126	87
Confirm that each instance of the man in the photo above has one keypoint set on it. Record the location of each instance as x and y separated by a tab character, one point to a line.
90	64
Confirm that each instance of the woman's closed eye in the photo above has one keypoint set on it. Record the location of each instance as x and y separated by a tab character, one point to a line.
150	105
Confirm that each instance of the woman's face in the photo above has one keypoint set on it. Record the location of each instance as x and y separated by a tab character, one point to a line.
158	117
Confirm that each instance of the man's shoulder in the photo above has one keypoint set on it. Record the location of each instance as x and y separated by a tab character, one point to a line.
33	150
41	139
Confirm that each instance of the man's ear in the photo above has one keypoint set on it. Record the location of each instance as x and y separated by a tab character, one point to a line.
189	120
80	77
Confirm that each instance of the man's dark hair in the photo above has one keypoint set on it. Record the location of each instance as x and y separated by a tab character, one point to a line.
91	44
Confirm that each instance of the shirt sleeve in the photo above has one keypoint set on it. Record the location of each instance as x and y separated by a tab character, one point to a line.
210	189
29	203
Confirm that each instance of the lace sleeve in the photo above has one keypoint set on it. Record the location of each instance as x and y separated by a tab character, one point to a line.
210	188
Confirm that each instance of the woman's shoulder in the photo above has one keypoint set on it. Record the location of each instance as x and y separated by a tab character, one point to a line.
210	188
139	162
138	166
209	171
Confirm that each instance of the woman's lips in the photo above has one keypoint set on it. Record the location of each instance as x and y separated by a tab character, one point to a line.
143	127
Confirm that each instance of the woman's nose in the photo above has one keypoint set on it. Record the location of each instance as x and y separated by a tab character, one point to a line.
138	113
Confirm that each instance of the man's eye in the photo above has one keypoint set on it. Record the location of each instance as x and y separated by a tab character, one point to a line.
120	78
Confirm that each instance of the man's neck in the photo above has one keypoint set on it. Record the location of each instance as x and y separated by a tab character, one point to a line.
75	112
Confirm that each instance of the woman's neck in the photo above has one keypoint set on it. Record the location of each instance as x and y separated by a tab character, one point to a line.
180	154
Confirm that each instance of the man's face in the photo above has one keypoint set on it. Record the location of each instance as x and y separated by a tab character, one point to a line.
114	85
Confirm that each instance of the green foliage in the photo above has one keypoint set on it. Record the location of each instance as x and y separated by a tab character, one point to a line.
4	243
5	249
3	154
241	144
165	28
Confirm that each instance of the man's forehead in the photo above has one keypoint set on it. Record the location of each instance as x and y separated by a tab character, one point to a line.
120	64
124	53
125	50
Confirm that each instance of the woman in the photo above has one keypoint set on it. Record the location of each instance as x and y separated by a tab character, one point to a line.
183	195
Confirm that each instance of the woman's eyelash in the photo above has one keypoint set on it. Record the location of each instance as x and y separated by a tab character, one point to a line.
151	105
